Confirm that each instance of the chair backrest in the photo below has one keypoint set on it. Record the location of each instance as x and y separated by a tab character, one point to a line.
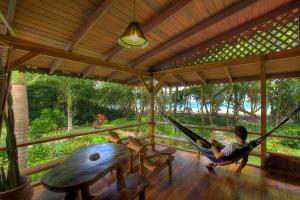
114	137
135	145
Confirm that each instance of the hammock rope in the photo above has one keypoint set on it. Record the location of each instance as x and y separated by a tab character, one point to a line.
235	156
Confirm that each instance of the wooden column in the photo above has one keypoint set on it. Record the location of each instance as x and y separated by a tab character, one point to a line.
263	92
151	112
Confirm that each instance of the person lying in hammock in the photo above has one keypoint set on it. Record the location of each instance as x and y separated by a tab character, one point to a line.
219	150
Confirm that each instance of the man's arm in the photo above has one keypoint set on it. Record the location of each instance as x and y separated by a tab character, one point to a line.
217	153
242	164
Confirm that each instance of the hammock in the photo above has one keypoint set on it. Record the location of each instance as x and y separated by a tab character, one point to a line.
236	155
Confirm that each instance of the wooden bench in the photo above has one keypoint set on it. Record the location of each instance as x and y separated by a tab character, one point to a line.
134	186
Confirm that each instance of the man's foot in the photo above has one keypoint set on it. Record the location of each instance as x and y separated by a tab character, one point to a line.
210	167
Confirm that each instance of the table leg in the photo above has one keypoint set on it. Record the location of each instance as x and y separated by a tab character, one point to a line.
120	178
142	195
71	195
85	193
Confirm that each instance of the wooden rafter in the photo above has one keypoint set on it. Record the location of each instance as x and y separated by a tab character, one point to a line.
62	54
235	31
148	26
23	59
228	74
83	31
230	63
112	75
195	29
201	77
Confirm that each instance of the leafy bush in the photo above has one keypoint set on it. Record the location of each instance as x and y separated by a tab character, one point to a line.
49	120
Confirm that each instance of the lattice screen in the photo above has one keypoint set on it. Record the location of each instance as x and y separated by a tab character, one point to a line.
277	34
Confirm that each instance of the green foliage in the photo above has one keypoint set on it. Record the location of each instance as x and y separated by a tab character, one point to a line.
50	119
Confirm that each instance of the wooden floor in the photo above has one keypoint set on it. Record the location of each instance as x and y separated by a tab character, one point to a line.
192	181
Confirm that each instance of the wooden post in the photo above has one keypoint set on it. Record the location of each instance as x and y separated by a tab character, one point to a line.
151	113
263	92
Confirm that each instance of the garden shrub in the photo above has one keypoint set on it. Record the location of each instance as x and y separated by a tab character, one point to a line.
49	120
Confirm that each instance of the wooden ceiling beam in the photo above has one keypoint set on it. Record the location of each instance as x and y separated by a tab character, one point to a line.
152	23
62	54
235	31
231	63
180	79
83	31
228	74
195	29
18	62
201	77
293	74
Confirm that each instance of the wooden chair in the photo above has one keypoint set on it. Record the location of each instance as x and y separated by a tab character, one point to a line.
153	161
114	138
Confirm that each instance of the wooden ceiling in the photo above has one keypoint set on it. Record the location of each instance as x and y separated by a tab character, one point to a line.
79	37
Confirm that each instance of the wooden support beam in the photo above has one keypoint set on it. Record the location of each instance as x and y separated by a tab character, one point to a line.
211	20
7	25
293	74
23	59
160	83
230	63
152	23
83	31
235	31
228	74
263	94
201	77
145	84
151	114
54	65
60	53
88	71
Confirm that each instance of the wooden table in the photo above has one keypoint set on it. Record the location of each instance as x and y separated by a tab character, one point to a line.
80	170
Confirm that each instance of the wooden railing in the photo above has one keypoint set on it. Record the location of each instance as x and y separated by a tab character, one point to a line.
50	164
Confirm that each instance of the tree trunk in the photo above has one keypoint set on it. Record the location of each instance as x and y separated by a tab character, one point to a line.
21	124
69	110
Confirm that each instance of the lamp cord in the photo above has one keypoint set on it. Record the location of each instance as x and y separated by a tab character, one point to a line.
134	10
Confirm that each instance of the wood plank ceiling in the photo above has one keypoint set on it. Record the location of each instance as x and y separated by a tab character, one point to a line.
92	27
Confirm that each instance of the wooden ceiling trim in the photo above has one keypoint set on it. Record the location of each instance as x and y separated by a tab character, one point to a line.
83	31
228	74
231	63
246	26
158	19
63	54
195	29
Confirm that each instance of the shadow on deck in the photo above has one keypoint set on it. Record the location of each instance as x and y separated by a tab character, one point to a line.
192	181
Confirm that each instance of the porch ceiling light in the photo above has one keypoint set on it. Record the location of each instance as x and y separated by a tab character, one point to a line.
133	35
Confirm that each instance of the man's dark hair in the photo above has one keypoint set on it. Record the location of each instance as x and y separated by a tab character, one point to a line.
241	132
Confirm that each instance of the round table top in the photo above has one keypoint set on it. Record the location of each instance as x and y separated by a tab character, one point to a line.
81	169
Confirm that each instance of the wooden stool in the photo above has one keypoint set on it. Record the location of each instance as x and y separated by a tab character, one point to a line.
135	186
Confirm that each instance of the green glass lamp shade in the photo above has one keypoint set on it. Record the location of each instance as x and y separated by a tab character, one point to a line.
133	36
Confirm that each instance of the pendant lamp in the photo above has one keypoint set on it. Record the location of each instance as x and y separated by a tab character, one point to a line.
133	35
